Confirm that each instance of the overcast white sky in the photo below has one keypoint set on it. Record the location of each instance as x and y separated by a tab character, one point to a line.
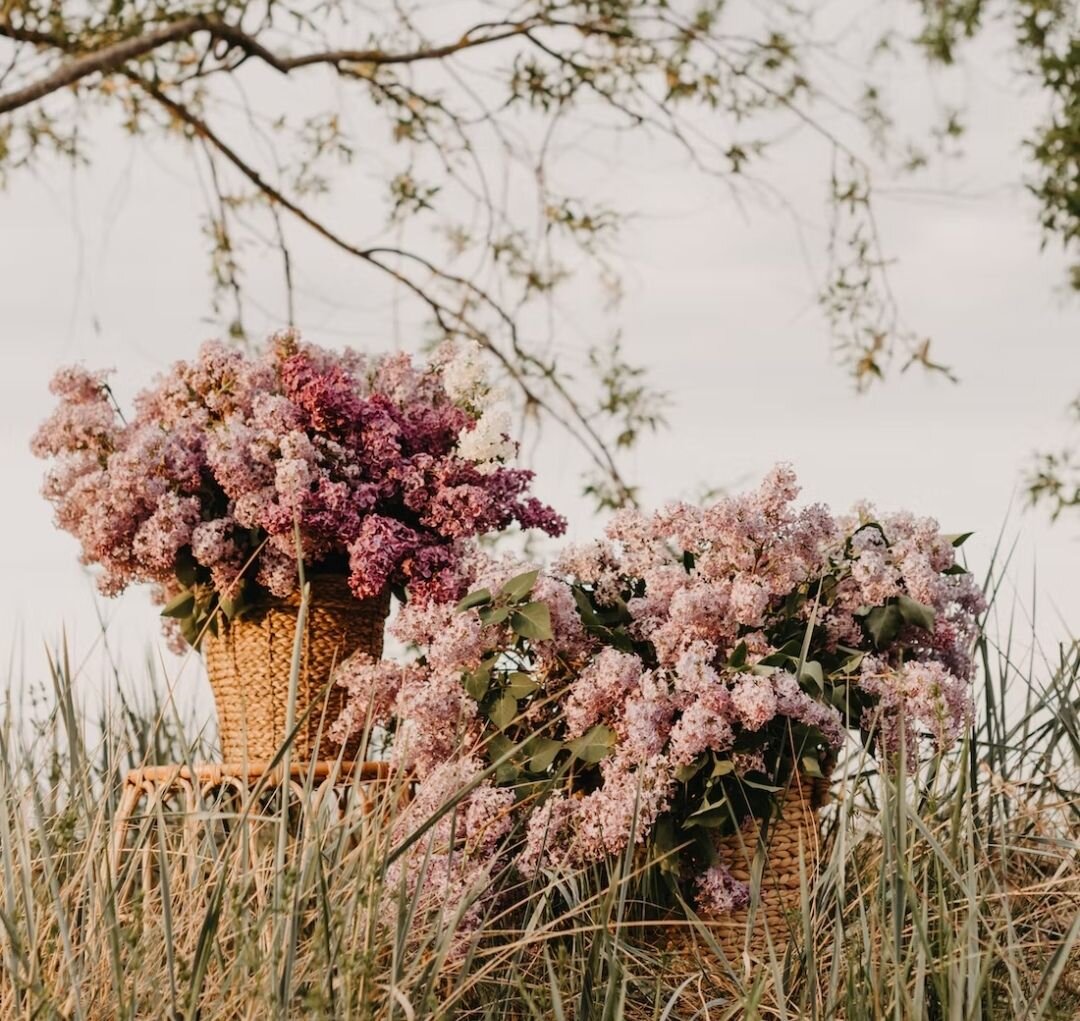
106	266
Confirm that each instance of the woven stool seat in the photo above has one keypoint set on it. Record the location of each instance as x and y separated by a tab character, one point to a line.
195	810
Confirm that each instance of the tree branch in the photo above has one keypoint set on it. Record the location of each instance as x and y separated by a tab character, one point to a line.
112	57
108	58
576	423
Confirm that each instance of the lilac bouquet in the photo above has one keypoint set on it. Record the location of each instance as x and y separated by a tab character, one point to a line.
741	642
665	684
372	467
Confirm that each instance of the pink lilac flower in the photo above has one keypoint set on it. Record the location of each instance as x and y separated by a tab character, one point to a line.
594	564
718	598
369	458
436	719
753	700
718	893
624	808
717	584
918	697
795	704
749	600
600	686
707	724
647	719
694	671
569	831
488	817
444	876
372	690
549	835
212	542
877	577
166	531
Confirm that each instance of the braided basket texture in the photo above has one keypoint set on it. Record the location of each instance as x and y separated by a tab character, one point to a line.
792	850
249	662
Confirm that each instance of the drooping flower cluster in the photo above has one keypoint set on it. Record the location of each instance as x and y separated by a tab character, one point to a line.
443	872
375	463
689	665
755	634
433	714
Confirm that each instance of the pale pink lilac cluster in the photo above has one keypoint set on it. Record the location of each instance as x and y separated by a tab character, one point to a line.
569	830
750	553
445	873
701	583
713	600
894	554
432	715
376	462
917	697
719	893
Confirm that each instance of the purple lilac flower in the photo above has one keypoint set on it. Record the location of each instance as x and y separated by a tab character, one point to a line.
229	453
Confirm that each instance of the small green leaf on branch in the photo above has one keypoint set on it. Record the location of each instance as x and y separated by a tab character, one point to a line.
518	587
504	711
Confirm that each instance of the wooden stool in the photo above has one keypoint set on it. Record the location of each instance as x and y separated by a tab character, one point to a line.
193	788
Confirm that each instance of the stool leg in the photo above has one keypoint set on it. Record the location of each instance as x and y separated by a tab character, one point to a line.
128	800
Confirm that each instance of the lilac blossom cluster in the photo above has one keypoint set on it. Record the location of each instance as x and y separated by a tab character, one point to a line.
384	468
445	871
440	737
698	656
719	604
432	716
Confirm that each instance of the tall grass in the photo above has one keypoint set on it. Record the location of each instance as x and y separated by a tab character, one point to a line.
952	894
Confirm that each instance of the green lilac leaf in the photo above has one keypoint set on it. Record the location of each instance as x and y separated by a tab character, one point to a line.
504	711
686	773
883	624
709	815
499	746
812	670
759	785
477	681
494	614
721	767
518	587
916	613
585	607
543	755
180	605
737	659
593	746
812	768
533	621
507	773
521	685
477	598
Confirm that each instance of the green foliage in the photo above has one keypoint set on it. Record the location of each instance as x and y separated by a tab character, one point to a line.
505	684
594	745
1054	480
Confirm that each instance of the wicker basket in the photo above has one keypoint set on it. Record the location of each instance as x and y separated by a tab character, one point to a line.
792	851
249	662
